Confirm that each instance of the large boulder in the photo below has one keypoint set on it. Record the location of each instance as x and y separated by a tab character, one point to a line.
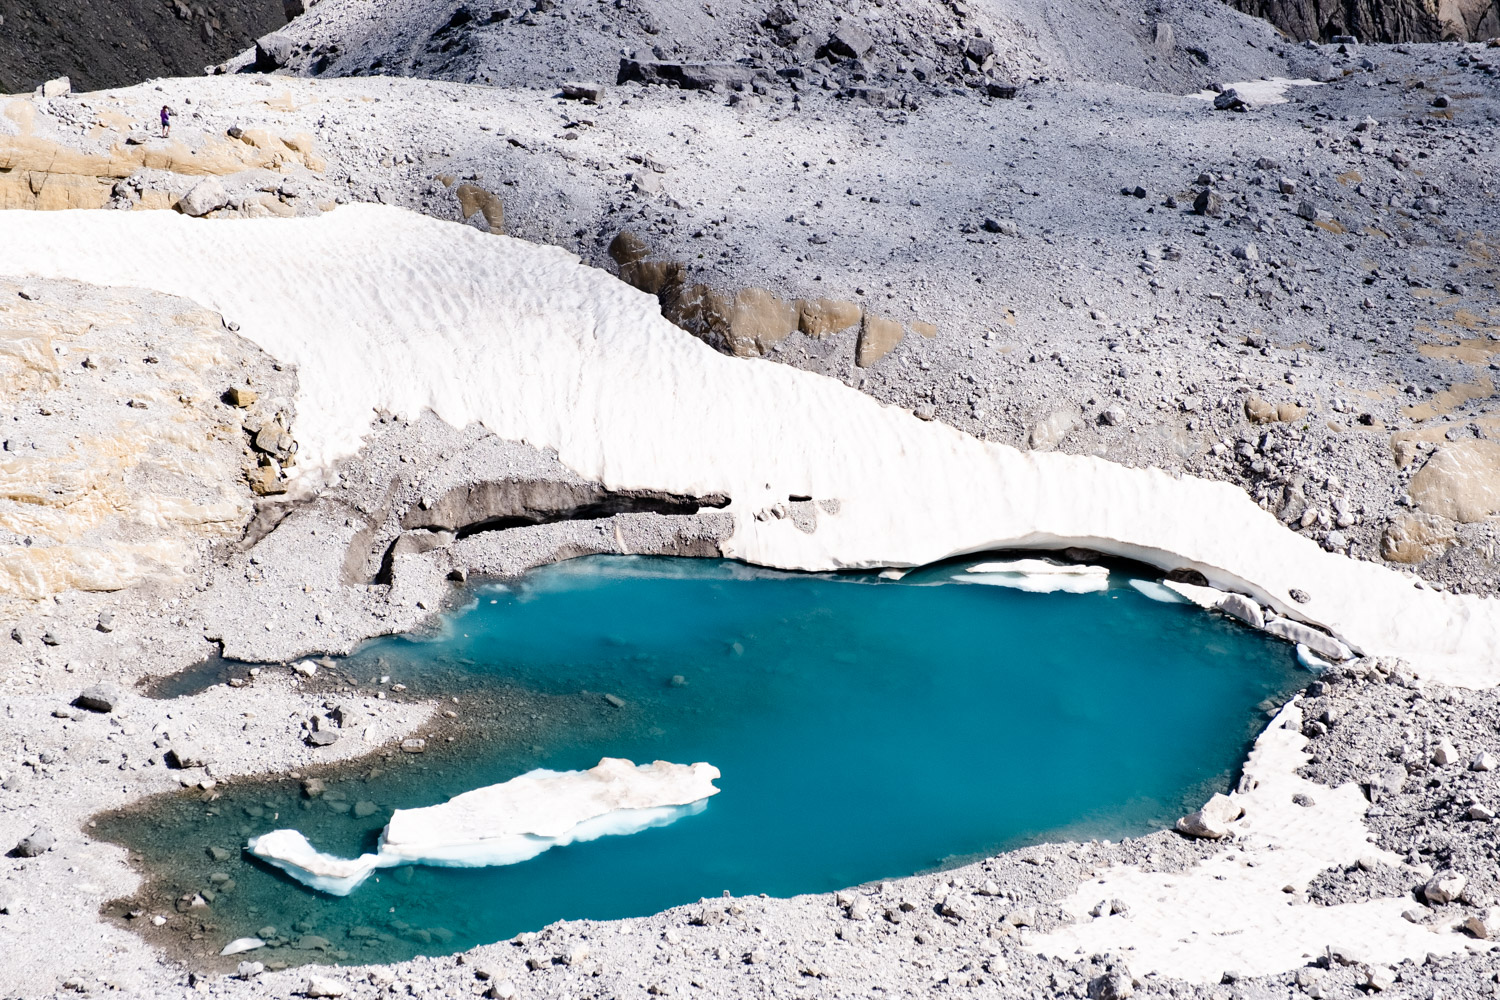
1415	538
475	200
1212	821
851	40
99	698
208	195
821	317
1461	481
273	51
877	338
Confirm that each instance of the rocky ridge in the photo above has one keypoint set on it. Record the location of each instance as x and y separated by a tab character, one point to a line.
125	42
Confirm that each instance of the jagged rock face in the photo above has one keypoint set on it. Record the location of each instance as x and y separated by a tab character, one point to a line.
122	42
120	460
1380	20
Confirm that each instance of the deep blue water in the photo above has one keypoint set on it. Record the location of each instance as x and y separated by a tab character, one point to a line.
864	728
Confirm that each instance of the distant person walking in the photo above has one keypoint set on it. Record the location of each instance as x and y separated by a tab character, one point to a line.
166	121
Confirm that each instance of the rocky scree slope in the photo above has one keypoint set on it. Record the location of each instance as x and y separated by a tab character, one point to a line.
897	53
1032	271
122	42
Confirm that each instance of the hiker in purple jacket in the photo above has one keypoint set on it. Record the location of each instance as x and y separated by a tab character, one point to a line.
166	121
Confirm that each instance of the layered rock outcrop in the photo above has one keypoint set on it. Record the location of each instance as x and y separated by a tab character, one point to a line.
119	460
1380	20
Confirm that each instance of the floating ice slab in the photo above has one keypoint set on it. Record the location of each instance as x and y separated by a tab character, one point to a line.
507	823
1158	592
1038	576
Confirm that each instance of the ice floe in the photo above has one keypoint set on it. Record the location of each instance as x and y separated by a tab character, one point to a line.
1158	592
1038	576
507	823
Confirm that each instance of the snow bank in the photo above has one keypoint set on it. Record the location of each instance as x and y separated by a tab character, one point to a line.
382	308
1244	910
507	823
1259	92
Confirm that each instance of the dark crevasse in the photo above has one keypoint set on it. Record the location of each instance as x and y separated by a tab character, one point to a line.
864	728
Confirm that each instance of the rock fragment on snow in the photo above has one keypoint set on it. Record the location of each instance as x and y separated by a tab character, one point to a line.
1485	924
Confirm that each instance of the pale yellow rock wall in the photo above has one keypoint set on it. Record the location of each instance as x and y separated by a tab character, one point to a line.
120	461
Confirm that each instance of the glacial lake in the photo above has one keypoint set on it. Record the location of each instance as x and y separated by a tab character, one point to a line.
865	729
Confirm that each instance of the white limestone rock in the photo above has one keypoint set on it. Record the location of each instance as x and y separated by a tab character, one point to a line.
1212	821
1444	887
206	196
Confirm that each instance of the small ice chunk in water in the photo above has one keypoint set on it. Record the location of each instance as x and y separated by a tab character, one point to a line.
1158	592
1312	661
1038	576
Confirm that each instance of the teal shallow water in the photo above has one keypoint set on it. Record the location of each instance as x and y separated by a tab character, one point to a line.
864	728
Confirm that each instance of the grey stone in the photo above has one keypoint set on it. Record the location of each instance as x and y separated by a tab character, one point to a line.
1208	203
99	698
1230	100
322	738
323	986
1113	985
34	844
850	41
593	92
273	51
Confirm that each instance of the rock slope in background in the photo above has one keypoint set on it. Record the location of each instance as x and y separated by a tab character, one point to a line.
1380	20
120	42
892	54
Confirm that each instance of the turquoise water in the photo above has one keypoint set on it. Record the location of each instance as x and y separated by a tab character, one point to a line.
864	728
